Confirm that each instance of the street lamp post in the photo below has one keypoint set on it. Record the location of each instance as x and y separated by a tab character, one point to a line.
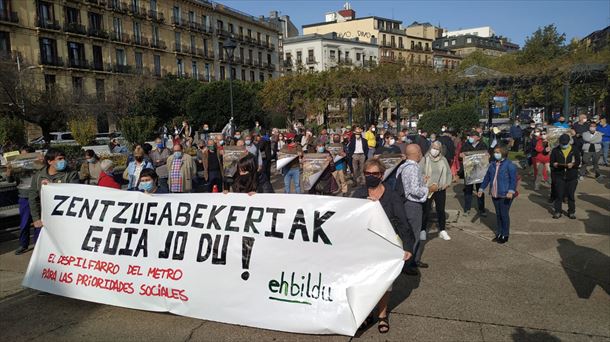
229	47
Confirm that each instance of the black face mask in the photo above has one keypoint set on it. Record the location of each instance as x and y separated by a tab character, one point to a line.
372	181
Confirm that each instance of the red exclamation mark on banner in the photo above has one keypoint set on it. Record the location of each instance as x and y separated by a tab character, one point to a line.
246	252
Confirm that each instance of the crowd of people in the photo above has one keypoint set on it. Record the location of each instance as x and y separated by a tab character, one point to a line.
189	161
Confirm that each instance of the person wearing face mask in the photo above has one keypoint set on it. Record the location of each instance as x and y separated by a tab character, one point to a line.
252	148
501	177
107	175
604	129
414	194
90	170
473	143
527	136
148	182
158	157
236	137
437	173
391	203
181	169
132	172
56	170
591	148
540	158
388	147
357	151
248	180
516	135
340	167
446	139
402	141
211	162
326	184
205	133
561	123
371	140
565	160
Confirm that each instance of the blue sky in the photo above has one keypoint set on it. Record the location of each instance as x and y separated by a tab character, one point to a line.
514	19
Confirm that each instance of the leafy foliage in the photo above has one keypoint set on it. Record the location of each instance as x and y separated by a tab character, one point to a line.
83	129
12	131
138	129
459	116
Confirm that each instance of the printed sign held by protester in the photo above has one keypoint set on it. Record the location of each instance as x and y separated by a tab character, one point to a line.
553	133
231	156
284	159
313	166
335	150
391	162
214	256
475	166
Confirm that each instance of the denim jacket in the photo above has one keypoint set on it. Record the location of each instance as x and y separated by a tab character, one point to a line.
507	177
131	170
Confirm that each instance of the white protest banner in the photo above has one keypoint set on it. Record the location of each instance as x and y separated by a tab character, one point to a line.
284	159
391	162
475	166
314	165
297	263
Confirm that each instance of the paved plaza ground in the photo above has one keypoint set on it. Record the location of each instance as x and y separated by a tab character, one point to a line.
550	282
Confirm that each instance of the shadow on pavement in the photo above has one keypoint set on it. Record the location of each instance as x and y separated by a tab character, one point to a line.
520	335
585	267
542	201
402	288
596	223
599	201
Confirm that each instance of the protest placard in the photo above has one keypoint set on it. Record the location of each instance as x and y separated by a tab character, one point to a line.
313	166
230	157
475	166
215	256
335	150
391	162
284	159
553	133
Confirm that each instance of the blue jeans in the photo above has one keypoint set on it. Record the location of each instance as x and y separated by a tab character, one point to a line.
502	206
605	147
292	174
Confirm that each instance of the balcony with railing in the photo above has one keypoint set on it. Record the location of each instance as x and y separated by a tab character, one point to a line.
178	21
271	66
181	48
251	41
195	26
287	63
138	12
51	61
78	63
97	65
208	54
121	68
119	37
9	17
222	33
48	24
310	60
119	7
387	59
238	60
156	16
392	30
158	44
207	29
249	61
75	28
97	32
139	40
97	2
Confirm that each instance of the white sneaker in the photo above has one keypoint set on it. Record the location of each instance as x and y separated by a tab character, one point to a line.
422	235
443	234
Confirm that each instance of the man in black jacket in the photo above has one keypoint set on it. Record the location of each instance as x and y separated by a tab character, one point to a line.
565	161
473	143
357	150
449	147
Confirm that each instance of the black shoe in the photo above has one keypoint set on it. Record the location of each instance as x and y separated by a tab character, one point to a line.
21	250
572	217
422	264
503	239
496	238
550	200
412	271
483	213
556	215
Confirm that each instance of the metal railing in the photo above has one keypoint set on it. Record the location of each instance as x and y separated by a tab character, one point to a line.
310	60
156	15
97	32
52	61
75	28
158	44
50	24
11	17
78	64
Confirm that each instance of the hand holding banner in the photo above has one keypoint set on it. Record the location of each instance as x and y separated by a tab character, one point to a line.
214	256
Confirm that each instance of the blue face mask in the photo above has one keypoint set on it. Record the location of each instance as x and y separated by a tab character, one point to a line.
178	154
91	160
471	140
160	146
565	147
498	156
60	165
146	186
321	149
248	142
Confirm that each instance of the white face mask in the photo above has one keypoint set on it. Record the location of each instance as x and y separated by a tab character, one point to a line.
392	142
434	152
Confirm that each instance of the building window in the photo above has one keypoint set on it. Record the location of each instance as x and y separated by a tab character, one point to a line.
243	74
250	36
400	44
357	56
233	73
445	43
230	28
139	63
452	41
157	63
332	54
220	25
5	44
45	13
469	40
251	76
176	14
191	17
178	39
77	86
193	45
299	57
49	82
269	58
121	58
117	25
179	67
137	32
222	73
205	47
207	72
204	21
95	21
393	41
261	77
155	35
260	58
195	71
48	50
76	54
100	90
221	52
98	62
258	37
72	15
310	55
153	5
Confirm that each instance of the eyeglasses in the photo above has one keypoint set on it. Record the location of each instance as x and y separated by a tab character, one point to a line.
376	174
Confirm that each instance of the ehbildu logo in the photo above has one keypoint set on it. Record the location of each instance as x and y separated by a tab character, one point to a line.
299	292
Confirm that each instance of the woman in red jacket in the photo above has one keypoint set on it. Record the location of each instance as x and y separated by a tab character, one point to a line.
542	159
106	176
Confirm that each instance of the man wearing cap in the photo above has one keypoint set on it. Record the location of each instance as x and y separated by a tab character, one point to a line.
473	143
565	160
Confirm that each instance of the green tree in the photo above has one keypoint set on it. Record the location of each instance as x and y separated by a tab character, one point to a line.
460	116
83	128
543	46
12	131
138	129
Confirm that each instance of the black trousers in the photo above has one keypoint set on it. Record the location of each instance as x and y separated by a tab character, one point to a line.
439	199
564	188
